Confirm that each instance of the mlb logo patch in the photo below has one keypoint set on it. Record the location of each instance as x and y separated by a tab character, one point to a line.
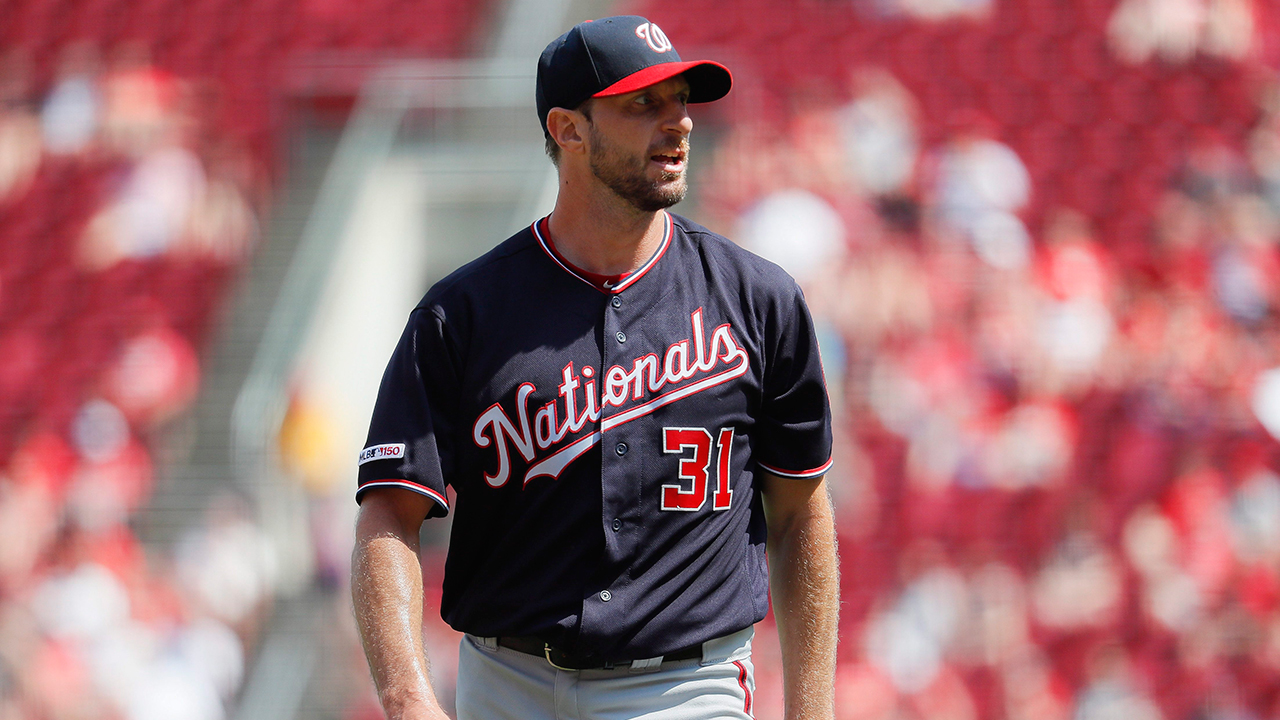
390	451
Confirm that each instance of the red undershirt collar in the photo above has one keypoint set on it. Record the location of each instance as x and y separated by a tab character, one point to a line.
602	282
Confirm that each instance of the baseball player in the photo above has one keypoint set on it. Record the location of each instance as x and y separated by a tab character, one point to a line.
628	408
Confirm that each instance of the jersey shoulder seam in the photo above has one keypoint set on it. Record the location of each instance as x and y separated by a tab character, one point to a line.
742	255
507	249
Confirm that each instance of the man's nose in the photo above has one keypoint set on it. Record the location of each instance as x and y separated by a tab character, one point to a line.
678	119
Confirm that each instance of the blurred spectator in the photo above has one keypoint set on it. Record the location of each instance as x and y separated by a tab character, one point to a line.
308	452
176	691
1111	693
1255	518
1264	142
142	103
20	138
994	616
114	476
227	566
224	227
1266	401
882	292
908	641
29	518
80	605
1196	505
878	128
1168	595
935	10
1031	690
979	184
216	652
1245	269
1032	446
863	692
73	108
155	378
796	229
1175	30
1079	586
1073	264
1074	334
152	210
815	158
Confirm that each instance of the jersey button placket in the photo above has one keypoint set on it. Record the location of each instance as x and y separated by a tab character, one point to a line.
618	468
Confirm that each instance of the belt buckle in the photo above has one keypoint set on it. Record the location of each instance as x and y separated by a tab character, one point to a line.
546	651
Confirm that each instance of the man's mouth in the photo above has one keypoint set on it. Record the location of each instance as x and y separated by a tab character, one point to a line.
672	161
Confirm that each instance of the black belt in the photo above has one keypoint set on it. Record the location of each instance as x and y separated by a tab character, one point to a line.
576	661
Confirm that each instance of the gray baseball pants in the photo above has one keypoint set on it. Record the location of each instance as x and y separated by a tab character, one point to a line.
497	683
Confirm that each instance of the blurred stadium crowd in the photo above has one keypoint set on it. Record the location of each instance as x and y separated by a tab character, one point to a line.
1041	239
123	214
138	153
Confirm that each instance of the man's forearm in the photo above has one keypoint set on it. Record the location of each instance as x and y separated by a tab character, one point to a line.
386	589
804	576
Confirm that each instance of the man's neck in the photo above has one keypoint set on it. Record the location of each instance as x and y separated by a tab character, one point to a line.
604	235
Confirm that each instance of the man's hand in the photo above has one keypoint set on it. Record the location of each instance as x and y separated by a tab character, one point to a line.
386	589
804	578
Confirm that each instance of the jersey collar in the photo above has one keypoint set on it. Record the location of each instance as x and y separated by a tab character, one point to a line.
545	243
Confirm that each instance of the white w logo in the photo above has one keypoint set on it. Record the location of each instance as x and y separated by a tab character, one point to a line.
653	35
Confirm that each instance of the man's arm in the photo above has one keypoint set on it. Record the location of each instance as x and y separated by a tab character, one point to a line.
386	589
805	583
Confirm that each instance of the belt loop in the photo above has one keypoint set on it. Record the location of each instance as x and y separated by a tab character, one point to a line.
488	643
644	664
734	646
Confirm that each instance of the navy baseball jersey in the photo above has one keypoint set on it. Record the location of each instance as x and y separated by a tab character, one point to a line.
604	447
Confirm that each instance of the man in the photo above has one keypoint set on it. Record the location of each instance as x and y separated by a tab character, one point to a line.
620	400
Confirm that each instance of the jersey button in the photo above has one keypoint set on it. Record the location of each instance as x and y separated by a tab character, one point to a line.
621	449
616	301
622	337
605	596
617	524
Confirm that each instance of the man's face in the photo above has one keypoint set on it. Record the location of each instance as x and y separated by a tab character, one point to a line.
639	144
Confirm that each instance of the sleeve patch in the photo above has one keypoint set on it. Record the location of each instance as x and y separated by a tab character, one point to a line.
389	451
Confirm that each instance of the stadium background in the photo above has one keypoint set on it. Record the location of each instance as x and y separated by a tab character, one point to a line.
1039	235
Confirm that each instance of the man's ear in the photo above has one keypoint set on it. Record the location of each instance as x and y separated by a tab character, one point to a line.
568	129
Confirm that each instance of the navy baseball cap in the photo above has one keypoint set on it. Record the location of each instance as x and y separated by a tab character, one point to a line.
617	55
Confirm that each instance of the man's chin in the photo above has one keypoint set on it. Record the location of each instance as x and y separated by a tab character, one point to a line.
663	197
648	194
673	187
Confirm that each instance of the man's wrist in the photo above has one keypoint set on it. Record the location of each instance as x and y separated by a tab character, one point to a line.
410	705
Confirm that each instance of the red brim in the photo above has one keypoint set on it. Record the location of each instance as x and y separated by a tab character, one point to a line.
708	80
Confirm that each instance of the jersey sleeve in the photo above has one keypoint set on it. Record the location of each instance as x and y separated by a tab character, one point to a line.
409	435
793	436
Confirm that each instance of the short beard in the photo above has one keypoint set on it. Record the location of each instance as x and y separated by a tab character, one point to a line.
627	178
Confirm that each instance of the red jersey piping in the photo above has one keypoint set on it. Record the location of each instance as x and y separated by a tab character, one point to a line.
799	473
626	282
407	485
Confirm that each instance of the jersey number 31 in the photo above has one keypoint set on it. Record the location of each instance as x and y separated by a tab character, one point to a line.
698	468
